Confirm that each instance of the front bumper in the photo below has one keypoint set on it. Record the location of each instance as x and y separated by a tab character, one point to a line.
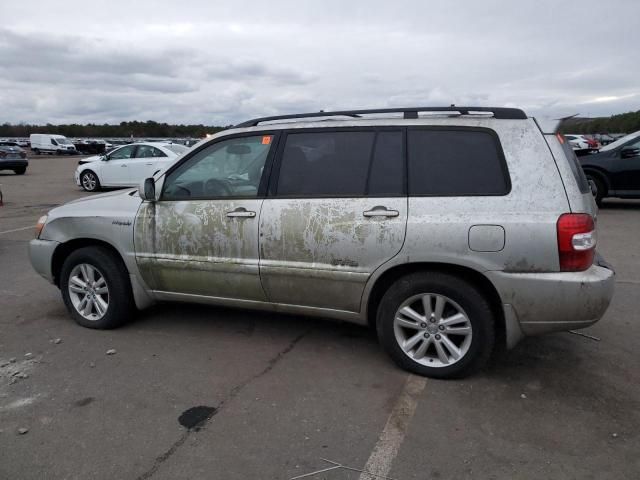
552	302
41	255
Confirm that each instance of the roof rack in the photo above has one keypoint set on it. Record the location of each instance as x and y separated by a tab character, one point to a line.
408	113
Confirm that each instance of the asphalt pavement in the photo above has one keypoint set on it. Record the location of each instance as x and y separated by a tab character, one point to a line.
195	392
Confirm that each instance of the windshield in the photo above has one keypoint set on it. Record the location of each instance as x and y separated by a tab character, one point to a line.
620	141
62	141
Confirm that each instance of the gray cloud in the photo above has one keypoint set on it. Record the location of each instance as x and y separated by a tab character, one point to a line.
219	63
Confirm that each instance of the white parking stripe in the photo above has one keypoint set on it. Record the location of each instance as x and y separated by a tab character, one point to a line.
18	229
392	436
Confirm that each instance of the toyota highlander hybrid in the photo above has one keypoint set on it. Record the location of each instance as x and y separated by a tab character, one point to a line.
450	230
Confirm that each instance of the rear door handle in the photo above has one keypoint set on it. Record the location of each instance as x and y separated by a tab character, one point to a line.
241	212
149	164
380	211
123	165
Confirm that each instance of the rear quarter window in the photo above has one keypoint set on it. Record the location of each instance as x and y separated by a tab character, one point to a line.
576	169
456	162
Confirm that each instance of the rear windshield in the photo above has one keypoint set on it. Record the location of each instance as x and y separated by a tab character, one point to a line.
576	169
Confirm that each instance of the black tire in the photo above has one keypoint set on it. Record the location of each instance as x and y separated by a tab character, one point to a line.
463	293
600	188
20	170
36	151
86	182
120	306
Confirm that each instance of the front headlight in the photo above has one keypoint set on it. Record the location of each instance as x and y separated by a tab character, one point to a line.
40	225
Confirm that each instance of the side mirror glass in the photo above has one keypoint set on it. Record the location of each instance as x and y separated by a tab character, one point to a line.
147	190
630	152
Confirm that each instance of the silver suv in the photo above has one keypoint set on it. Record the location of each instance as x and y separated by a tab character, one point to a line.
449	230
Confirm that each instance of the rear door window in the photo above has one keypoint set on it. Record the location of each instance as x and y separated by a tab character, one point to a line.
448	162
341	164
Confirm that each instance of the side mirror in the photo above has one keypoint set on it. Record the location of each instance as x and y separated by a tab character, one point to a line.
629	152
104	157
147	190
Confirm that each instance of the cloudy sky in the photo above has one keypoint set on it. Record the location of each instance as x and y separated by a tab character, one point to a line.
220	62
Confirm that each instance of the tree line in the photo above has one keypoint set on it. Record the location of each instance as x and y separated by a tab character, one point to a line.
123	129
622	123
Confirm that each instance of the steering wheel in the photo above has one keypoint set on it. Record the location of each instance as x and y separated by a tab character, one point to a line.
216	187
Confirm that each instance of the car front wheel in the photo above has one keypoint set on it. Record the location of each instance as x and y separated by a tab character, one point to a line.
436	325
96	288
597	189
89	181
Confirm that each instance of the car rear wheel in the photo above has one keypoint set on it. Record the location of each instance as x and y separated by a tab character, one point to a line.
436	325
89	181
20	171
96	288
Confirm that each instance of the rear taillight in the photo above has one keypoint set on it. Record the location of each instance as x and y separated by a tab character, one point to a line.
23	154
3	154
576	241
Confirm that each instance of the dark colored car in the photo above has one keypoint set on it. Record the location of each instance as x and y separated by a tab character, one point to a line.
12	157
615	170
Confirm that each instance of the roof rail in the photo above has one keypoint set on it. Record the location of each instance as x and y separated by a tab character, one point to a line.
408	113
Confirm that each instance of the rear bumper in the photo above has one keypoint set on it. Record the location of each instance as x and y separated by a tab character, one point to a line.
8	164
551	302
41	254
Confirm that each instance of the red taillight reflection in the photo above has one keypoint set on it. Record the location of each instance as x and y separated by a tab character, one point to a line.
576	241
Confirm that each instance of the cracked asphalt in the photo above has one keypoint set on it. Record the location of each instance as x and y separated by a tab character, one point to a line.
287	391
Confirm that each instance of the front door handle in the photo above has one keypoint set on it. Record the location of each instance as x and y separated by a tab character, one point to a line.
380	211
241	212
149	164
123	165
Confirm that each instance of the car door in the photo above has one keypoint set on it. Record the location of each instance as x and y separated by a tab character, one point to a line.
626	169
336	211
114	170
144	163
201	237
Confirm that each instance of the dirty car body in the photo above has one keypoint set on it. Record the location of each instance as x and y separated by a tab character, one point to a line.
367	220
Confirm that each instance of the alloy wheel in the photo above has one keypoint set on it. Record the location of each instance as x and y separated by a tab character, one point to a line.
88	291
432	330
89	181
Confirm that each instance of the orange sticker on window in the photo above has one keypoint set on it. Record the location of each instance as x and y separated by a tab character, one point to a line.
266	140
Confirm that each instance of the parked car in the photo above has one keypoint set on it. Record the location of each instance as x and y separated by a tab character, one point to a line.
581	144
603	138
88	146
615	170
125	166
52	144
446	233
13	157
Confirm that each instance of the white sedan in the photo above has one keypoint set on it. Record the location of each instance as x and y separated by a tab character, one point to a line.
126	166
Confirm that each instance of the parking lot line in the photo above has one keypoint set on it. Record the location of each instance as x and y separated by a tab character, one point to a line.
391	438
17	229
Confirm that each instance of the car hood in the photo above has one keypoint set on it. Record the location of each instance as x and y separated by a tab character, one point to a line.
595	156
99	197
93	158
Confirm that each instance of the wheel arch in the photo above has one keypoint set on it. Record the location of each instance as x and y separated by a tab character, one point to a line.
62	252
476	278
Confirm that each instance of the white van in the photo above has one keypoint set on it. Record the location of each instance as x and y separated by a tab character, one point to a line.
48	143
